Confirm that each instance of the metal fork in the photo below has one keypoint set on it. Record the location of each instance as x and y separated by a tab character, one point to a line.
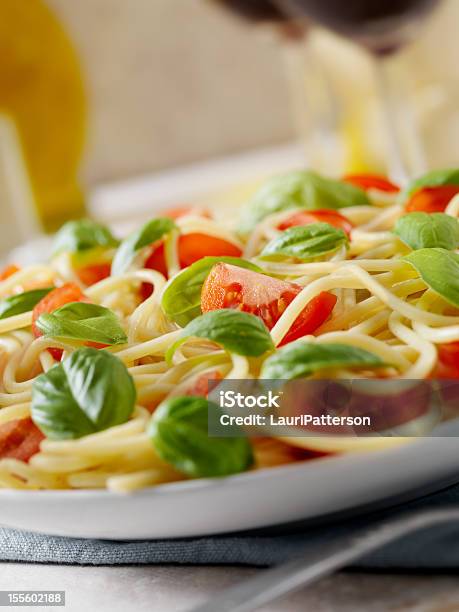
335	554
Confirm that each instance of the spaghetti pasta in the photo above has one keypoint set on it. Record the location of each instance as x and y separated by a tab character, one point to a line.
363	294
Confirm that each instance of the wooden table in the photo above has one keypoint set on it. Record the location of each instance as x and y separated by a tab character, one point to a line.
174	589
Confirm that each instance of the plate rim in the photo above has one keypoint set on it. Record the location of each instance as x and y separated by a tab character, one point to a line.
177	487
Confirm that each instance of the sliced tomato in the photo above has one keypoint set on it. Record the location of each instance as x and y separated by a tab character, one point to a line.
196	246
316	312
205	383
182	211
146	289
90	275
325	215
449	354
448	361
8	271
371	181
19	439
432	199
70	292
155	261
191	247
228	286
446	371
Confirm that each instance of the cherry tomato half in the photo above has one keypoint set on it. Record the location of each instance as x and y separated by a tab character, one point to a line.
371	181
325	215
191	248
228	286
90	275
432	199
19	439
70	292
205	383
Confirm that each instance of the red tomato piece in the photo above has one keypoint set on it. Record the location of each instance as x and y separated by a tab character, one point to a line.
371	181
70	292
96	345
8	271
20	439
449	354
182	211
313	315
193	247
90	275
155	261
447	369
448	361
146	289
325	215
432	199
205	383
228	286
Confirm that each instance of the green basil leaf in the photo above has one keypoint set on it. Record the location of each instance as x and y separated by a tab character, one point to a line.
237	332
305	190
179	432
434	178
22	302
439	269
88	392
305	242
301	359
420	230
82	321
145	236
181	299
77	236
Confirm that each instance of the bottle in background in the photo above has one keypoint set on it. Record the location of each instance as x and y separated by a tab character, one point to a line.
41	91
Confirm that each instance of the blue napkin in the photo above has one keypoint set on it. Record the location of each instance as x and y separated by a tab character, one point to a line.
435	548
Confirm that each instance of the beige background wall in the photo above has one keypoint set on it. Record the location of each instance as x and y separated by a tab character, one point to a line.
171	81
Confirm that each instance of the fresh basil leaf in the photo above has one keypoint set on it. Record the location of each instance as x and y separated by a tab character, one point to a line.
179	432
434	178
145	236
304	190
421	230
301	359
237	332
439	269
77	236
22	302
88	392
82	321
181	299
305	242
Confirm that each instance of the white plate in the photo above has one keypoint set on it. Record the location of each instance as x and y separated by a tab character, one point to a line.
258	499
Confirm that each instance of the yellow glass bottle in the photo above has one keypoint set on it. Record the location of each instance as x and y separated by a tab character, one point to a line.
41	89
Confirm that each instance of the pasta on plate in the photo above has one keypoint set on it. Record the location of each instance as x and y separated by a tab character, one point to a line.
107	351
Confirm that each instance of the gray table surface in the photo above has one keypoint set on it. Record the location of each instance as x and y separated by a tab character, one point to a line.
174	589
